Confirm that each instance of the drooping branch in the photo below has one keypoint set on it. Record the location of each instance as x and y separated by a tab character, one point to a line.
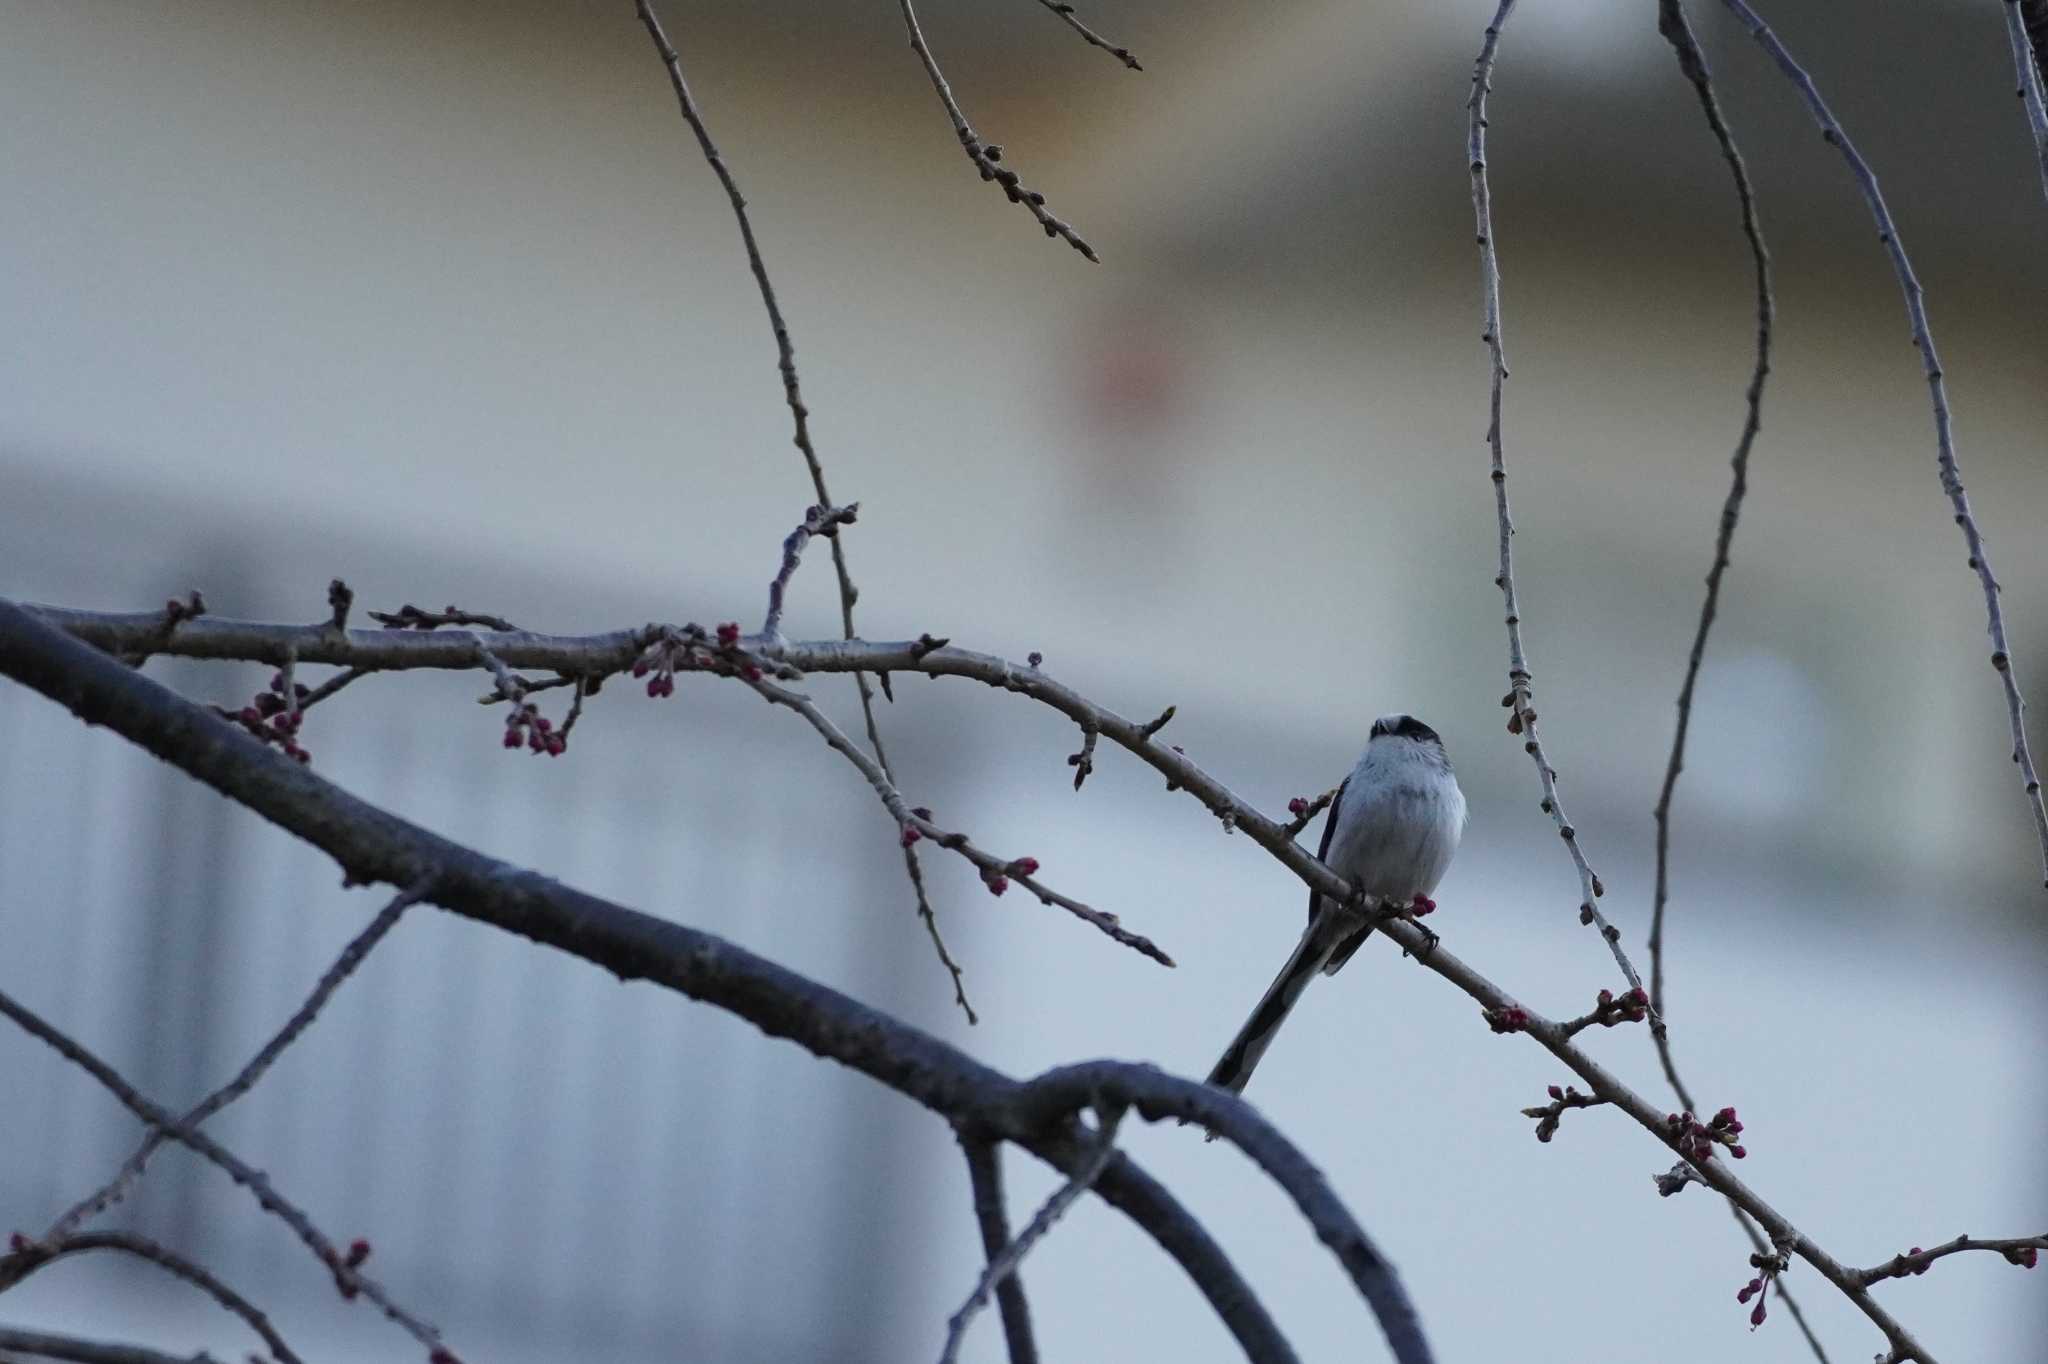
987	156
2026	32
1676	27
1088	35
1520	698
1915	298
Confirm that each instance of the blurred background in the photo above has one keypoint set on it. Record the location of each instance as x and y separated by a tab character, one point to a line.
441	299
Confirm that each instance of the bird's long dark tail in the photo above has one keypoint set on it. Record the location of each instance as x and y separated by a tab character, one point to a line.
1239	1059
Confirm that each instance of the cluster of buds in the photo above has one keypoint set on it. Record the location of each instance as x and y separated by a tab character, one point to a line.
527	728
1767	1267
1632	1007
690	648
1698	1140
999	881
1511	1018
358	1251
18	1244
2026	1257
272	719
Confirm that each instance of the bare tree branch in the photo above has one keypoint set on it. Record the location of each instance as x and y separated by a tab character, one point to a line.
991	1214
1676	27
2028	65
131	1170
986	155
237	1169
1004	1261
373	845
800	416
29	1256
1520	698
996	872
1937	387
80	1351
2024	1251
1088	35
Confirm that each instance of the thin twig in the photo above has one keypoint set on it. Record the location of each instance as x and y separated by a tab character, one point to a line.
1674	24
996	872
1523	717
985	156
800	417
817	521
81	1351
2027	65
1003	1264
239	1170
1088	35
331	686
2024	1251
31	1256
410	617
992	1216
1676	28
1930	363
330	980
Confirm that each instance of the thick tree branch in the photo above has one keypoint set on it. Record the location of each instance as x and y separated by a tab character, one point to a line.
373	845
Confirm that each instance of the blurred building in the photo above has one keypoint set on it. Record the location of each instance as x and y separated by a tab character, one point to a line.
442	299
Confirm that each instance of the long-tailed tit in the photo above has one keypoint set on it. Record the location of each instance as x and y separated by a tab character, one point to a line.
1391	833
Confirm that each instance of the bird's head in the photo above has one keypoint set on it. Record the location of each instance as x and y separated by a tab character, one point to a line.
1404	729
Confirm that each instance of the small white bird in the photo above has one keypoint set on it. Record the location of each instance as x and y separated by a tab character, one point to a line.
1391	832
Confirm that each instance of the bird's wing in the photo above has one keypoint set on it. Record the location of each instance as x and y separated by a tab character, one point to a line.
1329	828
